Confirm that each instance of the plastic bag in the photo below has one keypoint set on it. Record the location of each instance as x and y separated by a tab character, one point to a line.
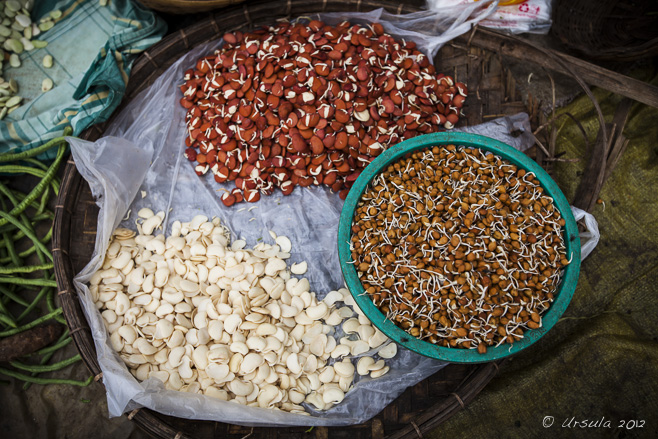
589	238
514	129
143	151
513	16
430	30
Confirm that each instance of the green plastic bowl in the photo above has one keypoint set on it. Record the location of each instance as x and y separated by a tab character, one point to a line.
458	355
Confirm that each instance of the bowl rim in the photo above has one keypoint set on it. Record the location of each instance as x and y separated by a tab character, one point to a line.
458	355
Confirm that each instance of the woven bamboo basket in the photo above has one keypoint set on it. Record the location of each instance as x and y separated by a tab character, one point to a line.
187	6
614	30
420	408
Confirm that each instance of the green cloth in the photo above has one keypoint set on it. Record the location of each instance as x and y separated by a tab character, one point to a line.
93	47
601	359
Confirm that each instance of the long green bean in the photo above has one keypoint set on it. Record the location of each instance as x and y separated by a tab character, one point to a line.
32	324
19	233
55	183
13	256
16	197
25	269
15	237
27	228
30	250
35	380
7	316
40	248
48	352
50	302
19	169
36	163
39	188
21	196
44	200
9	244
28	282
51	349
36	151
10	218
38	368
4	318
34	303
7	292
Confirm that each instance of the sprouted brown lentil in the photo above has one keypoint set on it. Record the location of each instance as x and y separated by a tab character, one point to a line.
458	247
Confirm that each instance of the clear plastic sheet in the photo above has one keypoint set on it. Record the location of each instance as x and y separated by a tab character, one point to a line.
143	153
589	238
428	29
511	16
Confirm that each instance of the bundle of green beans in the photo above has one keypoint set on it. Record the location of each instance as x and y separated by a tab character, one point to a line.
29	316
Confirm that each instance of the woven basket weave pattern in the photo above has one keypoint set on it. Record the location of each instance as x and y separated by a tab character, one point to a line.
616	30
187	6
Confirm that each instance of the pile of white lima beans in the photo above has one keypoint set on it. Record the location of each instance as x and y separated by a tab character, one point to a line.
208	316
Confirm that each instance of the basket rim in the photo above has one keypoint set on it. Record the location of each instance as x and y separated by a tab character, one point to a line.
160	56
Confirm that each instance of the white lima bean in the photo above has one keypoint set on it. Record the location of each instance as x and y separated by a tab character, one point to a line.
16	33
206	316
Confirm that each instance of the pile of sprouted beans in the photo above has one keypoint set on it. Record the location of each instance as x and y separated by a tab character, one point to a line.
459	247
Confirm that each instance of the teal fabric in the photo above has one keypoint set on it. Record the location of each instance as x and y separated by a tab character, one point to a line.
93	47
